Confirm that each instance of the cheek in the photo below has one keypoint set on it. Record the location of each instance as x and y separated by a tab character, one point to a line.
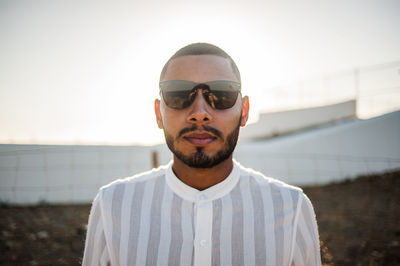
226	124
230	119
172	121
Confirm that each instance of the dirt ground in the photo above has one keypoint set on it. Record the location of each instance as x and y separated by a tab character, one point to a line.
359	220
358	224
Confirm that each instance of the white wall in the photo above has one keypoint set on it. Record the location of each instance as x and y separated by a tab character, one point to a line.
58	174
328	154
65	174
270	124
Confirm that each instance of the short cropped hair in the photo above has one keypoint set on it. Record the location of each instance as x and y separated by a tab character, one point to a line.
202	49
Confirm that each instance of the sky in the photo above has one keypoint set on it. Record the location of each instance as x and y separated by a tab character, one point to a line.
86	72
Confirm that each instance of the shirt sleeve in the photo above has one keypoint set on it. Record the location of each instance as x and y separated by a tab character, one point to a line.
96	252
306	240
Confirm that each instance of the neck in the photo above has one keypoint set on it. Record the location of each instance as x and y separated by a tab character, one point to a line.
202	178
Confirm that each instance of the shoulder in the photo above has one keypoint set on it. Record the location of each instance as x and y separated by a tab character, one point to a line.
122	183
269	183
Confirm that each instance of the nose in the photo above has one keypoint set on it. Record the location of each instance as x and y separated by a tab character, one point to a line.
199	110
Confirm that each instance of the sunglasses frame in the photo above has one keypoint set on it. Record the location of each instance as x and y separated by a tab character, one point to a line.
208	92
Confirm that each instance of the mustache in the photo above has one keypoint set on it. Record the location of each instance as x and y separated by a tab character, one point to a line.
205	128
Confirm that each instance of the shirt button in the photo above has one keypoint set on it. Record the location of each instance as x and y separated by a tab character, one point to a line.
202	197
203	242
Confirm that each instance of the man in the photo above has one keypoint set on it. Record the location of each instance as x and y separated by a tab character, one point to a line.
203	208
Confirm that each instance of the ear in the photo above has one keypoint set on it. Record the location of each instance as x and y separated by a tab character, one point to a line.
245	111
158	113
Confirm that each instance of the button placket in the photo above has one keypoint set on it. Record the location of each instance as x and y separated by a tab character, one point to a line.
203	230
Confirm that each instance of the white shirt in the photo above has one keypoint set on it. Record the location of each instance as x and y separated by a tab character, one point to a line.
247	219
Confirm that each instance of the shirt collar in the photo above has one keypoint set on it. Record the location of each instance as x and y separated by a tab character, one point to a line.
211	193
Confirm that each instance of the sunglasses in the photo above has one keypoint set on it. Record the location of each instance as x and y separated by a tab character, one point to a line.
180	94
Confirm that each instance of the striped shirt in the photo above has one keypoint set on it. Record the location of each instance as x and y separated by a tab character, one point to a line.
247	219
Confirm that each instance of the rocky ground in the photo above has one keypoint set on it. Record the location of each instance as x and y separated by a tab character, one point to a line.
358	223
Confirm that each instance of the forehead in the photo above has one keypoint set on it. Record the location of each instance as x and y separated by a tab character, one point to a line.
200	68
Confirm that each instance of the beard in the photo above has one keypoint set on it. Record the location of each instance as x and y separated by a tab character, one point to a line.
200	159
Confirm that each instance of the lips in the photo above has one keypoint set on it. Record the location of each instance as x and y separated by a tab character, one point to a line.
200	138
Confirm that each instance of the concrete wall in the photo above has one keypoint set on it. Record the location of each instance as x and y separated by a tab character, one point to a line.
66	174
328	154
58	174
271	124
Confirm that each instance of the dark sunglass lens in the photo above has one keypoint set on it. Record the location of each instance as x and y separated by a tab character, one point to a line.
223	99
180	94
177	99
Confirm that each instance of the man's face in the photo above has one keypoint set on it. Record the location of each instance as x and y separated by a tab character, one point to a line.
199	135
